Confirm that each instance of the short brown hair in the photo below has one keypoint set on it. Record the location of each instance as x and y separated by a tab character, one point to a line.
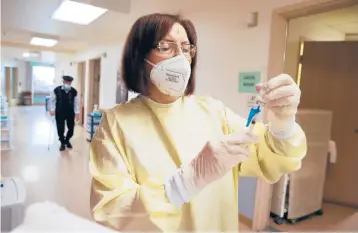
144	34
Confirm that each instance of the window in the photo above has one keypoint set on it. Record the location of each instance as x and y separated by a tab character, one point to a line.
43	78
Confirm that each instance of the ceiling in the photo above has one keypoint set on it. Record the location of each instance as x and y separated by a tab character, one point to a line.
33	17
49	57
23	19
342	20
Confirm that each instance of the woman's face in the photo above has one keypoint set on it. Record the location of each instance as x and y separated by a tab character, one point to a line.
176	36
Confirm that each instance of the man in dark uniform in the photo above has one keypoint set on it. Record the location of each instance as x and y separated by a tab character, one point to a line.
65	107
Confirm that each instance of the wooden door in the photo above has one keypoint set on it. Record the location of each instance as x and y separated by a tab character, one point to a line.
96	81
329	81
15	82
81	72
8	84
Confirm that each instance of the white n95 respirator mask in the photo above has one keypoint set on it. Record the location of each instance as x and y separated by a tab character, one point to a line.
171	76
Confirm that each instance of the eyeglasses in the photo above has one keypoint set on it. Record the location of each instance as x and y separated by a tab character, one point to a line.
171	49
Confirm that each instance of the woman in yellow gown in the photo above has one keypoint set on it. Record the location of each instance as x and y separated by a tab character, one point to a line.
169	161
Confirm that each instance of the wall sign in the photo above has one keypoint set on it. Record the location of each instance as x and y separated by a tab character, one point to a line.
33	63
248	80
251	100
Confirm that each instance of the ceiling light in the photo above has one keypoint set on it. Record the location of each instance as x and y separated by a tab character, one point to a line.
43	42
76	12
30	54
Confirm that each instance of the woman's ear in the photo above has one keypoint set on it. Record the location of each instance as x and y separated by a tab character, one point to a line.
259	86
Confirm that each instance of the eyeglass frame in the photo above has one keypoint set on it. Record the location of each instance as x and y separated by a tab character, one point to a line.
192	47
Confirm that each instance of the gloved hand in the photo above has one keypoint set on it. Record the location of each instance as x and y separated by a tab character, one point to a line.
281	96
214	161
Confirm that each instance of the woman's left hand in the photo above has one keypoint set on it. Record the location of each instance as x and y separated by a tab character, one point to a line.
281	96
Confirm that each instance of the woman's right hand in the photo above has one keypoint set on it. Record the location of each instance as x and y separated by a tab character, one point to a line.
231	148
214	161
218	157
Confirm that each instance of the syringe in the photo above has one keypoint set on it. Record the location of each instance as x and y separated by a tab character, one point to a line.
251	120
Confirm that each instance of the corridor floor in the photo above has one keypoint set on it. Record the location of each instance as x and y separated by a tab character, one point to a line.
49	175
63	177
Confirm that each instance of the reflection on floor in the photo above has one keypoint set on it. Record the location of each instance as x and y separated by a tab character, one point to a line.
334	218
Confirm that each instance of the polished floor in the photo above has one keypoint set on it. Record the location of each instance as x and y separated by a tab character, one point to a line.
334	218
63	177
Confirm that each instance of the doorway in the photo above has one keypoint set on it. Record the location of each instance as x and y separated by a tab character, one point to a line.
278	55
11	84
81	74
329	81
94	83
14	83
8	84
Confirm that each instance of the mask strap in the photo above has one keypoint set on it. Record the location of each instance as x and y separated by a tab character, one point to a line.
150	63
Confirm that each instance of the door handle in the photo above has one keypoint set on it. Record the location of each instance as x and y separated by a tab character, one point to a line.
356	130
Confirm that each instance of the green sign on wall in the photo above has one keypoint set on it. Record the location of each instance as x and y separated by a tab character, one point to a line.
248	80
33	63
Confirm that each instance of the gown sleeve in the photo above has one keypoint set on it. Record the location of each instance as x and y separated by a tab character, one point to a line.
271	157
117	200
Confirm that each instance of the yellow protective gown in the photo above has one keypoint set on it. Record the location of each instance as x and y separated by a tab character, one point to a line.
141	142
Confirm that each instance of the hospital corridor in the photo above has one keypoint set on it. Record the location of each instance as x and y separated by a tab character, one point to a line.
188	116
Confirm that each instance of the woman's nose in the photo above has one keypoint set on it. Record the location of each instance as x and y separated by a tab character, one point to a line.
179	51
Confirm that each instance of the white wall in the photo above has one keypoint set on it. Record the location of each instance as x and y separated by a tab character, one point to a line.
227	46
65	65
110	59
25	76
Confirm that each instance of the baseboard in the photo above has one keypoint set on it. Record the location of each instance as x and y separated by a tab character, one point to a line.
340	203
245	220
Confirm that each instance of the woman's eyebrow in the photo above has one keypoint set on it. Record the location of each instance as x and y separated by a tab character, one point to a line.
169	40
174	41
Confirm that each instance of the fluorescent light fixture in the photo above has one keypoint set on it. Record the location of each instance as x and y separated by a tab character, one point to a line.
30	54
43	42
78	13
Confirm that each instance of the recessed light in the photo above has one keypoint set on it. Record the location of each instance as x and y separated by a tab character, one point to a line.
43	42
77	12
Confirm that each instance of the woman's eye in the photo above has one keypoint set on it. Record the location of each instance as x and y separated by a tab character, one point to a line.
164	49
186	50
